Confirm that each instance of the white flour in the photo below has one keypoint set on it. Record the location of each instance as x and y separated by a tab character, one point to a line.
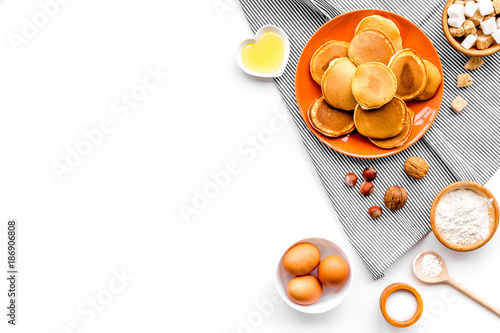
462	216
430	265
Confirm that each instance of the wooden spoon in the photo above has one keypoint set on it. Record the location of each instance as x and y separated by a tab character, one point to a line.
444	277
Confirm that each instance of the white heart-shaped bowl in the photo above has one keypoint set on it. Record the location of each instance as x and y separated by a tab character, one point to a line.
254	39
331	297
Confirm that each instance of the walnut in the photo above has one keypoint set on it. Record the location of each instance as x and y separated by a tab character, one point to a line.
416	167
395	197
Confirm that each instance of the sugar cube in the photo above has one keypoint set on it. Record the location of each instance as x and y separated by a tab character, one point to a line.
456	22
475	35
469	41
486	7
464	80
470	9
477	18
483	42
469	27
496	5
474	63
489	26
496	36
457	11
458	104
498	23
457	32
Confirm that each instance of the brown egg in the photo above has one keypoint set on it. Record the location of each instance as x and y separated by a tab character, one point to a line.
301	259
304	290
333	271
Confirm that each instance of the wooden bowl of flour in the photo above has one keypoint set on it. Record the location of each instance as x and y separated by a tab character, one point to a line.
493	213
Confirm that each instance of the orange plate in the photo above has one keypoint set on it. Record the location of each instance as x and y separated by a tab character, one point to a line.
342	28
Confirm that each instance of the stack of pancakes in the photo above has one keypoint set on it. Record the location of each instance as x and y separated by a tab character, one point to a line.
367	82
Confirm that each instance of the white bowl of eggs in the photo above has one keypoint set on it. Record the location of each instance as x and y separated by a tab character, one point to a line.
313	276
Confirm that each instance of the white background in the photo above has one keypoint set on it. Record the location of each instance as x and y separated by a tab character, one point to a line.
119	208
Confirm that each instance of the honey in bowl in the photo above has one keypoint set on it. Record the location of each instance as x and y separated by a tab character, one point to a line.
266	55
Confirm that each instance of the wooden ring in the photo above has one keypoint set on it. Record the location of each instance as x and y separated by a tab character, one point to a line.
401	286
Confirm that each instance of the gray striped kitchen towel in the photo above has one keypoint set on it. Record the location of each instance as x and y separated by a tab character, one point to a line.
462	146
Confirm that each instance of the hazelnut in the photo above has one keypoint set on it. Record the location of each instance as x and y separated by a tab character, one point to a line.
369	174
351	179
375	211
416	167
366	188
395	197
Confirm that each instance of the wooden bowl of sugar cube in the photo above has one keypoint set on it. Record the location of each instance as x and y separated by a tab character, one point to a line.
473	27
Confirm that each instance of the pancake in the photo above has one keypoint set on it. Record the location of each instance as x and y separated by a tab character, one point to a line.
336	84
410	72
330	121
384	25
399	139
433	81
373	85
370	45
383	123
321	59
